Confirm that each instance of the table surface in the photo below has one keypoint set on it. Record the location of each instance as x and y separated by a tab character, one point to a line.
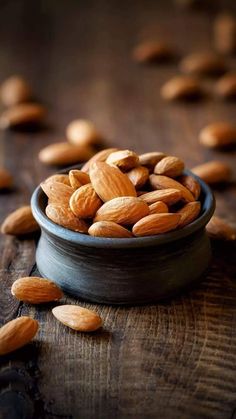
170	360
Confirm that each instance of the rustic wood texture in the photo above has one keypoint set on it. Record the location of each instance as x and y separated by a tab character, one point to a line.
172	360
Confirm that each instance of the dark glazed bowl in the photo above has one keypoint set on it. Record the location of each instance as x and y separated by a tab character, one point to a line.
123	271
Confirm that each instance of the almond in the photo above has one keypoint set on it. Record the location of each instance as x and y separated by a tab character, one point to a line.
122	210
22	114
84	202
164	182
110	182
189	213
17	333
225	33
219	229
181	87
203	63
139	176
6	179
213	172
20	222
226	86
150	160
191	184
168	196
57	192
77	318
100	156
124	159
65	218
15	90
36	290
218	135
152	51
169	166
156	224
158	207
78	178
64	153
82	132
109	229
58	178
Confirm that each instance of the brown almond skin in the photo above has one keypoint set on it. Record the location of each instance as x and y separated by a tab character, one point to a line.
158	207
64	217
139	176
77	318
61	154
203	64
168	196
100	156
191	184
226	86
15	90
84	202
35	290
152	51
17	333
6	179
78	178
218	135
219	229
57	192
224	30
20	222
109	229
213	172
169	166
182	88
124	159
189	213
109	182
58	178
150	160
22	114
156	224
164	182
82	132
122	210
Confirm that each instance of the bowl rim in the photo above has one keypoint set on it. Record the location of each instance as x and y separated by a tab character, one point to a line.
53	229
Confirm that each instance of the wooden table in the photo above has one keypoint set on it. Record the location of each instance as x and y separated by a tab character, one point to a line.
171	360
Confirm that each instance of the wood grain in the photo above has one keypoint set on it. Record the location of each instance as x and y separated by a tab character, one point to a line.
175	360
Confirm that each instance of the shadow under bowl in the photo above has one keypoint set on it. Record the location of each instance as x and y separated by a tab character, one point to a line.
123	271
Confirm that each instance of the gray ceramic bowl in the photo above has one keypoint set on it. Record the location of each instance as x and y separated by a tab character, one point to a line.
123	271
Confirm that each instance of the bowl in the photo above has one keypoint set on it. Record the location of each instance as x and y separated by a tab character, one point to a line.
123	271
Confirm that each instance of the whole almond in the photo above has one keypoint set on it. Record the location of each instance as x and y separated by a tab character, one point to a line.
124	159
181	87
164	182
213	172
226	86
203	63
219	229
218	135
58	178
78	178
6	179
225	33
169	166
100	156
77	318
122	210
168	196
36	290
139	176
158	207
109	229
189	213
152	51
64	153
64	217
20	222
22	114
82	132
150	160
156	224
109	182
191	184
17	333
57	192
15	90
84	202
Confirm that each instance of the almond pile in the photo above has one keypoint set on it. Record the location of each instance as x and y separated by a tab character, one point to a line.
120	194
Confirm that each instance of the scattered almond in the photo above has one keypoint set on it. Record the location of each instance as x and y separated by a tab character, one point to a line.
164	182
6	179
78	178
191	184
139	176
17	333
22	114
82	132
213	172
64	153
218	135
150	160
36	290
182	87
100	156
77	318
15	90
84	202
203	63
64	217
152	51
109	229
226	86
189	213
158	207
124	159
57	192
168	196
20	222
219	229
169	166
225	33
156	224
122	210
